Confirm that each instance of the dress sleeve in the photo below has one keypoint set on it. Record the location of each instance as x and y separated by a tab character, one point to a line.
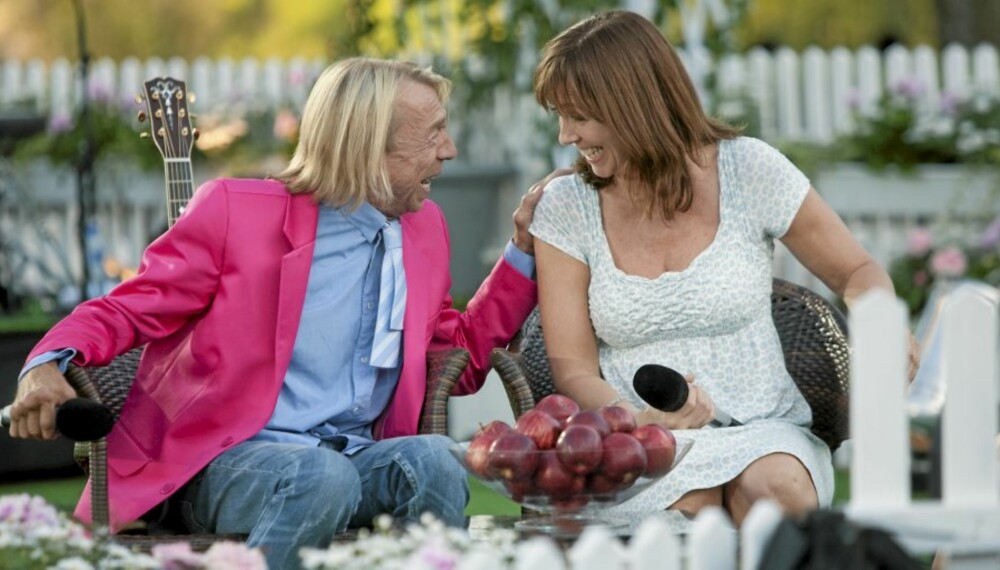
775	188
560	218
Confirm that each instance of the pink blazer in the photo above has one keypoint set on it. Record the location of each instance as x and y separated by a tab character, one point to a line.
217	302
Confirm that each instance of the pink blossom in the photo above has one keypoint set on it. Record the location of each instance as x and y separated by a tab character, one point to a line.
949	103
176	556
919	241
234	556
909	87
948	262
286	125
991	237
60	123
920	278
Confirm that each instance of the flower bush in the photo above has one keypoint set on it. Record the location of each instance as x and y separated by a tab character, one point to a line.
925	262
902	129
235	137
429	545
34	535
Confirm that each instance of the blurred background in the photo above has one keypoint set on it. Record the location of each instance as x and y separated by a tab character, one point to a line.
892	108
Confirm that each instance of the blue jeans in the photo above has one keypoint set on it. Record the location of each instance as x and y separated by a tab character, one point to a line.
287	496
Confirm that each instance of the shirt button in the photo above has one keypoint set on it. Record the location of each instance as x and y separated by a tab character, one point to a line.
166	489
364	360
370	306
227	442
357	409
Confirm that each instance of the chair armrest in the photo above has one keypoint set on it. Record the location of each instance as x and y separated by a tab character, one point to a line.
515	380
444	367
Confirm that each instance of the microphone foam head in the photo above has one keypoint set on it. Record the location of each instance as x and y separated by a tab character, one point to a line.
661	387
81	419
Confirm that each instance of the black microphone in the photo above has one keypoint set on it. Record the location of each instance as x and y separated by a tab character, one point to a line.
79	419
666	390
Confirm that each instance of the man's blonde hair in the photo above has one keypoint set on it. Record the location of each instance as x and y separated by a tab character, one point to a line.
346	126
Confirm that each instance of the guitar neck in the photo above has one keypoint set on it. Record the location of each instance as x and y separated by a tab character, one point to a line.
180	186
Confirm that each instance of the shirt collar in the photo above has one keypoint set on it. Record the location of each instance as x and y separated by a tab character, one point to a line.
366	219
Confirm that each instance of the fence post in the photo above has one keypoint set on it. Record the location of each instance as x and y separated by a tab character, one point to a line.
655	546
985	69
755	534
880	468
536	552
596	549
712	542
955	70
970	419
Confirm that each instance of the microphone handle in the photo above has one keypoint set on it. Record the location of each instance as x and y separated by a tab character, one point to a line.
722	419
5	417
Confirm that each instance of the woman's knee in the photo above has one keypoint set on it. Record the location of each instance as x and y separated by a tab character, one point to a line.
780	477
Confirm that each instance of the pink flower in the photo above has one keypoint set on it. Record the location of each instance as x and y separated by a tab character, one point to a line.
910	87
991	237
176	556
286	125
60	123
949	262
234	556
919	242
920	278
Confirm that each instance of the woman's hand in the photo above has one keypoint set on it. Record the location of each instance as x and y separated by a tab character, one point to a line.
695	413
913	357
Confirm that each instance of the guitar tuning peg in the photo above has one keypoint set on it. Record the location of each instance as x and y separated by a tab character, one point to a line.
195	133
192	97
141	116
139	99
143	135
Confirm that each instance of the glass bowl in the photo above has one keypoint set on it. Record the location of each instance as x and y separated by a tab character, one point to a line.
567	511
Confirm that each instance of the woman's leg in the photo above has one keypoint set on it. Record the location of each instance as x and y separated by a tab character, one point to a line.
780	477
694	501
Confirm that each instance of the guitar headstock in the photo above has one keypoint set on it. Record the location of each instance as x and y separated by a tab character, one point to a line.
169	120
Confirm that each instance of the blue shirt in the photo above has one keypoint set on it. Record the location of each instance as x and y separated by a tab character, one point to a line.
331	393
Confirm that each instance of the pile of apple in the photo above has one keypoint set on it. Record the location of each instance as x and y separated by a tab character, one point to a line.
566	454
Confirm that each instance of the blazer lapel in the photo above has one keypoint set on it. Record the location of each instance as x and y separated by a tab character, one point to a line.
301	217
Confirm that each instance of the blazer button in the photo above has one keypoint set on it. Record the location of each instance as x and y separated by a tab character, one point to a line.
227	442
166	489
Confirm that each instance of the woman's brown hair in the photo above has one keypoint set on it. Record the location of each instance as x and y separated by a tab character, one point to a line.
617	68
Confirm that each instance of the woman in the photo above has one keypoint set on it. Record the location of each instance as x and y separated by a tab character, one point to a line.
659	251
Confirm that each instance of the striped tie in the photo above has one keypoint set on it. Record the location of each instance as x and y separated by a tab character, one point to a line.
391	300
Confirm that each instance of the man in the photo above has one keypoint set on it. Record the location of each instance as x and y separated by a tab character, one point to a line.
281	384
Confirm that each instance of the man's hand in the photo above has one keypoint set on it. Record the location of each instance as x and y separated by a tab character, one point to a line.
526	211
33	415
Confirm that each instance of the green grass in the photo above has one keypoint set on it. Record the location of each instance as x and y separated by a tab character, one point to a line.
63	493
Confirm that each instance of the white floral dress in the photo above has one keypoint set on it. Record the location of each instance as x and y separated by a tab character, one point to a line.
712	319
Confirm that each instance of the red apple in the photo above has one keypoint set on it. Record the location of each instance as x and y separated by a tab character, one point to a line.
590	418
623	458
542	428
579	448
558	406
619	419
553	479
520	488
600	484
513	456
660	446
478	453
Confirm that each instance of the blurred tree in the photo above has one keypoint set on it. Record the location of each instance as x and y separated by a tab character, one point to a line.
831	23
183	28
968	22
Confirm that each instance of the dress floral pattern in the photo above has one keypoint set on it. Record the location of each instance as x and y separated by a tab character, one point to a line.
712	319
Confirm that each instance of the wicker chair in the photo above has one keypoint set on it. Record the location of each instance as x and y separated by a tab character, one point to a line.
813	337
110	385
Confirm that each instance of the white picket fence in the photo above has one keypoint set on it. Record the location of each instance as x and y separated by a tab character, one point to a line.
963	528
800	96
